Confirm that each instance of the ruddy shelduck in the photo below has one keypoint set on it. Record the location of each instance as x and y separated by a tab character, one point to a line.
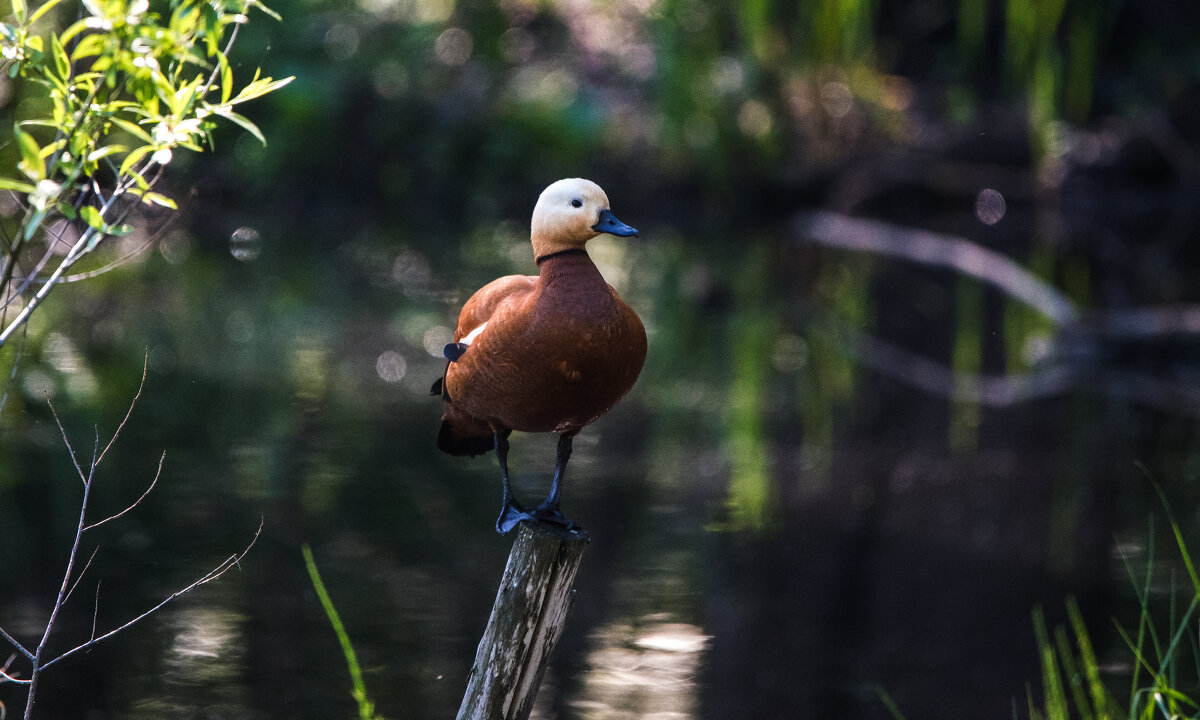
544	353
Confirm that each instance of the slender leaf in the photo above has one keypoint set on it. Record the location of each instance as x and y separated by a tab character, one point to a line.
45	8
159	199
226	78
132	129
105	151
19	11
243	121
30	154
62	64
15	185
134	157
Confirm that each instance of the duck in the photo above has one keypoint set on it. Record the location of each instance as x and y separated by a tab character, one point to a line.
542	353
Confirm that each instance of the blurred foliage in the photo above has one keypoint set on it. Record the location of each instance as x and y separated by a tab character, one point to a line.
105	104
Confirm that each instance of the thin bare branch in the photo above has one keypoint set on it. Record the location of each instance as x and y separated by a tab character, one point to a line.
132	403
67	441
82	572
137	502
16	645
213	574
96	610
9	678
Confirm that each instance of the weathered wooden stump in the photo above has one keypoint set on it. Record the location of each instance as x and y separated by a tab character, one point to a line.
527	620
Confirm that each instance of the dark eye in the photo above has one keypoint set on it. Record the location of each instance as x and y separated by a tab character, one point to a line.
576	203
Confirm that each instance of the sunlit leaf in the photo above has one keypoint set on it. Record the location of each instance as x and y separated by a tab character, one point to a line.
19	11
267	10
89	46
159	199
105	151
259	87
30	154
243	121
132	129
90	215
134	157
15	185
46	6
226	78
62	64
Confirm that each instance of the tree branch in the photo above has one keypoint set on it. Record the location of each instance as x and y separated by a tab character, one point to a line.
218	571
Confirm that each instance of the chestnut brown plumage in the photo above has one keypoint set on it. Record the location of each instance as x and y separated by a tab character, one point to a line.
544	353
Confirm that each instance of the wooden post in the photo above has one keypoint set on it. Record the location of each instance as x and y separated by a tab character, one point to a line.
527	620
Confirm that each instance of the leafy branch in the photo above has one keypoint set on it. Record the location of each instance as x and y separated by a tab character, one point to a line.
126	86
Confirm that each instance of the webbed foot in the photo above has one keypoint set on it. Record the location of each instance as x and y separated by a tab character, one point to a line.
551	515
512	515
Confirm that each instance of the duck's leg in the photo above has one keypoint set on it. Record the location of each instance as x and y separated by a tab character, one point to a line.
549	511
511	511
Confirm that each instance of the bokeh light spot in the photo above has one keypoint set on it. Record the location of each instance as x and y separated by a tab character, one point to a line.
391	366
989	206
453	46
245	244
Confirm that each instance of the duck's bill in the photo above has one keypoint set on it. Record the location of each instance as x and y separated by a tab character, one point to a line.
608	223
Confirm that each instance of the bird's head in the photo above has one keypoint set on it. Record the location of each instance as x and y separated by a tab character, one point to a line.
569	213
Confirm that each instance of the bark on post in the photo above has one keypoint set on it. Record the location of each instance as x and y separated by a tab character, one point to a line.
527	620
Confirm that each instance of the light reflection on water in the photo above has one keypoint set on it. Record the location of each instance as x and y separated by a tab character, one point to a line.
647	670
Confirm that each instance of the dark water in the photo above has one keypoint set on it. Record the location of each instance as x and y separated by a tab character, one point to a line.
777	531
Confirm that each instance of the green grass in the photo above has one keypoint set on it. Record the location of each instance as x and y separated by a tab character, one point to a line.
1162	645
366	708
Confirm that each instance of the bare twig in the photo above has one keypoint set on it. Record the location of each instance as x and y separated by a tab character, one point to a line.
162	458
16	645
132	403
67	441
38	657
82	572
229	563
96	610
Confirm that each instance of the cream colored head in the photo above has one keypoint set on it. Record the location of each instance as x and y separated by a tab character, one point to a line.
569	213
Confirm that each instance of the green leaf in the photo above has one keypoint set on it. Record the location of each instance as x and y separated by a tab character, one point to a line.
19	11
88	47
159	199
105	151
267	10
243	121
259	87
62	64
42	10
226	78
92	217
31	158
132	129
134	157
15	185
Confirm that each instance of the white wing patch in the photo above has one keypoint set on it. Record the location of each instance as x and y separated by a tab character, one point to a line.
470	337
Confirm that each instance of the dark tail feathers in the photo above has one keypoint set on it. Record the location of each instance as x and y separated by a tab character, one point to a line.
470	438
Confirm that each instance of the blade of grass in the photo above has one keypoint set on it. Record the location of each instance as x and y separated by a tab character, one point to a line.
366	709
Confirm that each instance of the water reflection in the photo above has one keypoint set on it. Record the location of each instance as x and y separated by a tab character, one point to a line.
642	669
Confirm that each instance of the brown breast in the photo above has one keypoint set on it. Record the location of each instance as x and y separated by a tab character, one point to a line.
554	358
